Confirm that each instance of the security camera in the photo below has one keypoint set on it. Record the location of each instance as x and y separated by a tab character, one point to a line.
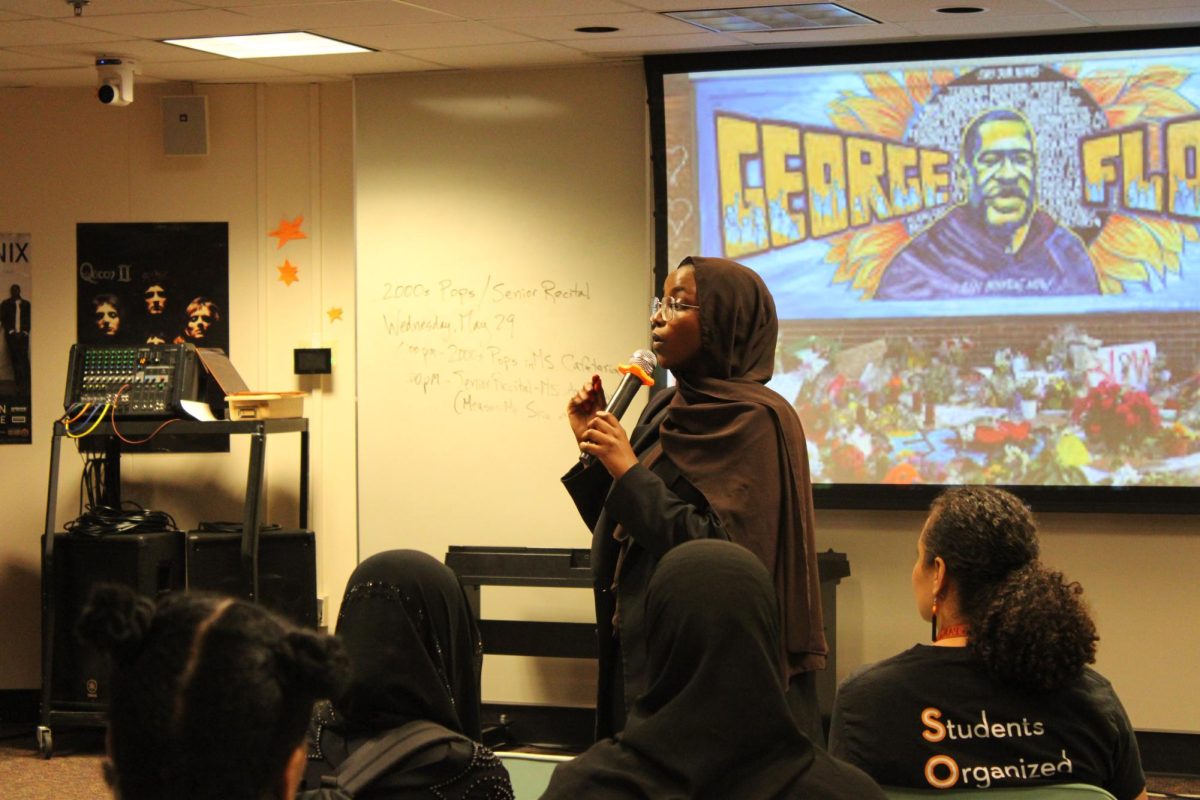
116	81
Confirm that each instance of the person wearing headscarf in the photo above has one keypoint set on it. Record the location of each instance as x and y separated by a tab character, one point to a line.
415	654
713	721
718	456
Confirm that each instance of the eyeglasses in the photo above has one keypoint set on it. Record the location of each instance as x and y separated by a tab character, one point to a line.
669	307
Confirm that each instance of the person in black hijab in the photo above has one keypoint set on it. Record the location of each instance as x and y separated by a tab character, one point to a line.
713	721
720	456
415	654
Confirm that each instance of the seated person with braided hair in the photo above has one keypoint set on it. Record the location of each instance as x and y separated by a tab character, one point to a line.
210	696
1004	695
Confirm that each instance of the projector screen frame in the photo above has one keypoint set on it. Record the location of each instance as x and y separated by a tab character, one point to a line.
886	496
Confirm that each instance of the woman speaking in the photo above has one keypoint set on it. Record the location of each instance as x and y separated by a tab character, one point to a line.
718	456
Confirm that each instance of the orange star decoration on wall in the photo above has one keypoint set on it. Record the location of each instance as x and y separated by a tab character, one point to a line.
288	272
288	231
335	314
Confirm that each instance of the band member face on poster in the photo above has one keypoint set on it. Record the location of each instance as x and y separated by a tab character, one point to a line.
155	298
107	309
202	313
1000	167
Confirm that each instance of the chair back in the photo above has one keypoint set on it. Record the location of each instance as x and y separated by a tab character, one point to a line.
530	772
1062	791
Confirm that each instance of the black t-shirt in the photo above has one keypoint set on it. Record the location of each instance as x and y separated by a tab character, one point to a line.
931	717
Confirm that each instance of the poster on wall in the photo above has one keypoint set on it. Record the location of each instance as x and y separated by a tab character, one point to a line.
153	283
16	278
140	283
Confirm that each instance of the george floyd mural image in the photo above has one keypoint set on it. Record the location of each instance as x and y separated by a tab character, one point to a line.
986	270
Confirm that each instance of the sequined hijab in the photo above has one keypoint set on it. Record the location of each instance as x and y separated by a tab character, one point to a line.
413	644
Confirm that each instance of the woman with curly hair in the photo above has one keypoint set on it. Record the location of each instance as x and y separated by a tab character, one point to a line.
1004	695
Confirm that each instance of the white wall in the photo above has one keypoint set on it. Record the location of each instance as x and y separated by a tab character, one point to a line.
280	151
274	152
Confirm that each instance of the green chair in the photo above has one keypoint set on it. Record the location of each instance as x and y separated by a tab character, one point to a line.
530	772
1062	791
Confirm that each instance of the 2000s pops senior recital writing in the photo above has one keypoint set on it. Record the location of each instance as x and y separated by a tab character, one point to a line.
493	291
471	341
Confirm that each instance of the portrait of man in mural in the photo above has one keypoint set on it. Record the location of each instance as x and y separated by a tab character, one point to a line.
997	242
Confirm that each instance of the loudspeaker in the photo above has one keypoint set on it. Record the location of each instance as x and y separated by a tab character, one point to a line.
185	125
149	563
287	569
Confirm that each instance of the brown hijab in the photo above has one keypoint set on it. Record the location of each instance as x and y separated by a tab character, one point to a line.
742	446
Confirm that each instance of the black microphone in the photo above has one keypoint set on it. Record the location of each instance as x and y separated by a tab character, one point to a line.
638	372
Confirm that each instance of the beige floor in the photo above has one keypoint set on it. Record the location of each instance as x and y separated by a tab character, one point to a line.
74	771
72	774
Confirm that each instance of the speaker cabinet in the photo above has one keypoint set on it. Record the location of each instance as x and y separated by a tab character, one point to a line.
287	569
185	125
149	563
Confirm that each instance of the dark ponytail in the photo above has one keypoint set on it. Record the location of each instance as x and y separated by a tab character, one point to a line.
209	696
1035	631
1028	625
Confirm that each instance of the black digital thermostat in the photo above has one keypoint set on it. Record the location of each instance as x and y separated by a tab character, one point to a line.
312	360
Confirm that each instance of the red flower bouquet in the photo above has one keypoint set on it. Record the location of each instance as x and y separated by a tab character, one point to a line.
1116	417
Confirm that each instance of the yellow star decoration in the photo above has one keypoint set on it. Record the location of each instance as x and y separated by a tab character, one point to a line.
288	231
335	314
288	273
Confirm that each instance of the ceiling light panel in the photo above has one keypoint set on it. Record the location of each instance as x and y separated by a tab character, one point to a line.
761	19
269	45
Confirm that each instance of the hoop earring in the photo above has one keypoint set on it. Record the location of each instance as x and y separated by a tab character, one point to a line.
933	622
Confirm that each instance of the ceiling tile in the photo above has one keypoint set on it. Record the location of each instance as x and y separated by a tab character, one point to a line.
345	13
71	76
178	25
13	59
1088	6
503	55
44	31
634	23
350	64
406	37
922	10
495	9
58	9
633	45
141	50
238	4
222	70
984	25
1144	17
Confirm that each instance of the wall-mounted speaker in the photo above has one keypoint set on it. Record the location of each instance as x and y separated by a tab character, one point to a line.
185	125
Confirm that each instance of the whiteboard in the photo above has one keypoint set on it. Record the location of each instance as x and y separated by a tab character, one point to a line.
504	256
